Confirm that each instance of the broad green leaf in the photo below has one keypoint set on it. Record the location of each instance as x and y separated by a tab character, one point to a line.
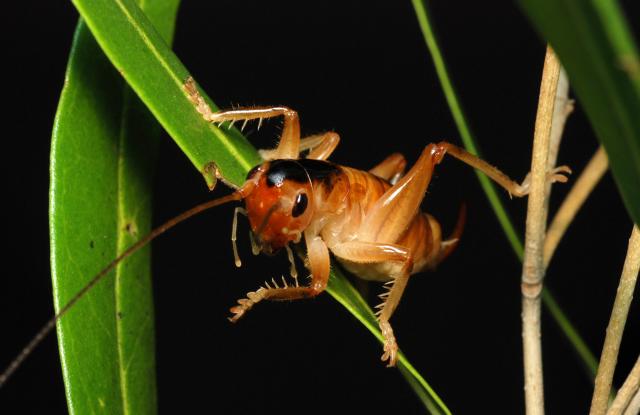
593	41
579	345
157	76
100	203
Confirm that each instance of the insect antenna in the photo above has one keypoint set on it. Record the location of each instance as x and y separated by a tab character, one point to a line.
49	326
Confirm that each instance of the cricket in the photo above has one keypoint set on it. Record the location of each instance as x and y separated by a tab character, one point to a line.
369	221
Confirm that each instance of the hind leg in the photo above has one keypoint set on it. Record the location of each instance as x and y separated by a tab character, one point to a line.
514	188
370	253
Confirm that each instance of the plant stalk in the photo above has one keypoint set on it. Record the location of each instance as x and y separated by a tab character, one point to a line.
591	175
634	406
629	394
615	329
533	268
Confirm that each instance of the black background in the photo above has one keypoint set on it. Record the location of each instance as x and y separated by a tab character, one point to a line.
362	70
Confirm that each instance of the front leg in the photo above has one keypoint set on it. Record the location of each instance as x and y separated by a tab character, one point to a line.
318	255
371	253
289	145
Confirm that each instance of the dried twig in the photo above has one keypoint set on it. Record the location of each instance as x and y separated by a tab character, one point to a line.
583	186
533	269
625	397
609	356
634	406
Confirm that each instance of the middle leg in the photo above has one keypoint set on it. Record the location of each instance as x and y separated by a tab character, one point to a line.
391	168
320	146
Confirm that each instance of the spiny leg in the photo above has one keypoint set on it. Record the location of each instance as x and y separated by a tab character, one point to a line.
289	145
514	188
318	255
371	252
391	168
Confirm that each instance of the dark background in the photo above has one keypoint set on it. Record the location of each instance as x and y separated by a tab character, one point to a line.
362	70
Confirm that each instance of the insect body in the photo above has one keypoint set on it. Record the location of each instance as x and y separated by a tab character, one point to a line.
370	221
375	229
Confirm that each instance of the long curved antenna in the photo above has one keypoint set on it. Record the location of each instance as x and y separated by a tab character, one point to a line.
48	327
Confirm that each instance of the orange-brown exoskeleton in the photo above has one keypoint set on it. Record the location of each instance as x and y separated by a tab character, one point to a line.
369	220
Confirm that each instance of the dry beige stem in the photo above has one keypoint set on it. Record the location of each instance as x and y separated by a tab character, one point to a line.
562	109
533	269
634	405
591	175
609	356
628	394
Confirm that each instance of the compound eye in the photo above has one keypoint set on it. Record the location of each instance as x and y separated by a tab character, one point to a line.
300	205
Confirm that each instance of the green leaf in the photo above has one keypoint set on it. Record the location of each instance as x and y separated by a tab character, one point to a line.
593	41
158	77
100	203
561	319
